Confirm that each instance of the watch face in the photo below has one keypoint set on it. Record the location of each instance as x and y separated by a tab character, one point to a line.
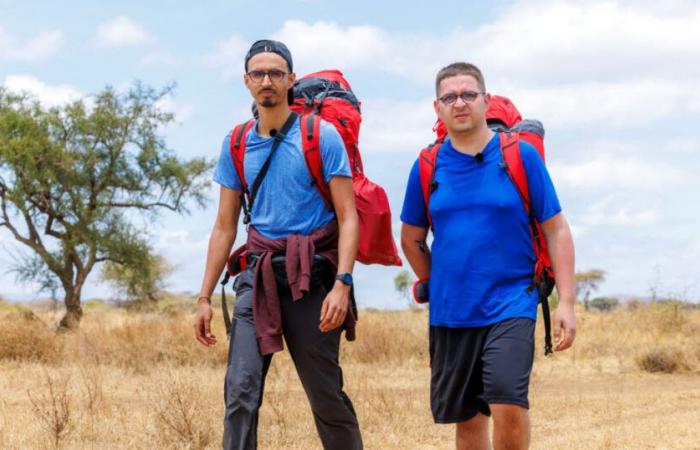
345	278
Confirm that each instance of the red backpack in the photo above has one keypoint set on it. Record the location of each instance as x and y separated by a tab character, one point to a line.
503	117
327	95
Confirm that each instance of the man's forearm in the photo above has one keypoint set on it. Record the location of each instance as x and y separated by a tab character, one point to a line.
419	260
561	251
416	250
348	239
220	243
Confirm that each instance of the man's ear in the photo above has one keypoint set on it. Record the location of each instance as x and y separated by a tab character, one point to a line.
436	106
246	80
292	78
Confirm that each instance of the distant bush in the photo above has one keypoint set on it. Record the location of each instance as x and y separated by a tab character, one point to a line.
664	360
605	303
634	304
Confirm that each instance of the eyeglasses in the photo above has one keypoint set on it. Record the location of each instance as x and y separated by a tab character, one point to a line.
275	75
466	96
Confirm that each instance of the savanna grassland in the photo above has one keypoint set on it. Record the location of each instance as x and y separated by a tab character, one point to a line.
136	378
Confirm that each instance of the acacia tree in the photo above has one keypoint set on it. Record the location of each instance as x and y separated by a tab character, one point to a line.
74	179
402	284
587	282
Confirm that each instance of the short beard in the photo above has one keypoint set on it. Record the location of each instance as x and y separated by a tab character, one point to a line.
268	103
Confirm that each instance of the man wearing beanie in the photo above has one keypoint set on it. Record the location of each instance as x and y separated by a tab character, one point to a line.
297	284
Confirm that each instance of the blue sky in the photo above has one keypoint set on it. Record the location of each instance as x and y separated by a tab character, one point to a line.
615	83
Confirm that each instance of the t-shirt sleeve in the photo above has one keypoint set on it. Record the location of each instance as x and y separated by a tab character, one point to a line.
333	154
543	196
225	173
413	211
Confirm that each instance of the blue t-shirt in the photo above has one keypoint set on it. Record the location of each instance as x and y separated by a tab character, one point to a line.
482	255
287	201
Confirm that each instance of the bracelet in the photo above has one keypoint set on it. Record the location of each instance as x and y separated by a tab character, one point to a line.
208	299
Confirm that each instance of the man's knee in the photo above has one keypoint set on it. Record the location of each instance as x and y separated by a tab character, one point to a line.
508	414
477	424
473	433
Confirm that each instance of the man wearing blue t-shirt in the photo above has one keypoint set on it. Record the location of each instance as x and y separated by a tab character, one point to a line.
480	267
300	256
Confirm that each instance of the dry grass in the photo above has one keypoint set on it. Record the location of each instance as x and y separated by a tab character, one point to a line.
137	379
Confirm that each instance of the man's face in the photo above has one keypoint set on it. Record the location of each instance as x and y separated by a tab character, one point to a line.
268	91
461	116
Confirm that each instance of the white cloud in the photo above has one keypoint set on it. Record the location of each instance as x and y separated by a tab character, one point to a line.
396	125
48	95
121	31
556	40
575	63
228	55
37	48
624	104
620	210
532	43
327	44
612	171
648	147
182	112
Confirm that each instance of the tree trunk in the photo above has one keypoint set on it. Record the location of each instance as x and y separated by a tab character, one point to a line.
74	312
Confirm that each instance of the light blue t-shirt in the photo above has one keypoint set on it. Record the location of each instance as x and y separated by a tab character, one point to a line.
287	201
482	255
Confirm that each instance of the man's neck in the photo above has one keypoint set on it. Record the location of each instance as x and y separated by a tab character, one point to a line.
471	142
272	119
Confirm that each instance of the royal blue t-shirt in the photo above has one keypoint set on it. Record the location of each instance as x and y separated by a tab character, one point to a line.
482	254
287	201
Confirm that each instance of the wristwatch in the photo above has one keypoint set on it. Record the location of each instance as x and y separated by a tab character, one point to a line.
345	278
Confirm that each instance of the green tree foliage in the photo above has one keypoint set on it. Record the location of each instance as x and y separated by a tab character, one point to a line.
142	282
75	179
604	304
403	283
586	283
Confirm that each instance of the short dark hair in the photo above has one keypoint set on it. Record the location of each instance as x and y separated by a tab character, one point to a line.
459	68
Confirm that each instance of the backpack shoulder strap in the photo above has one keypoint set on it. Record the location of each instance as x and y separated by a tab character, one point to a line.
513	164
311	146
543	277
426	170
237	149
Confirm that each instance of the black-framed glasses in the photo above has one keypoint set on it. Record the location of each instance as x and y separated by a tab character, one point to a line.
466	96
275	75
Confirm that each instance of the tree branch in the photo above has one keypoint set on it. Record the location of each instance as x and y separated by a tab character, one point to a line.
34	244
140	205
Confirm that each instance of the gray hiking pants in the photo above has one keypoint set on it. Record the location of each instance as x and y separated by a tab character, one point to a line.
315	356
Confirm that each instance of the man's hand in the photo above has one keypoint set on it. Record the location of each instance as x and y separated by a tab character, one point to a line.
564	326
335	307
202	324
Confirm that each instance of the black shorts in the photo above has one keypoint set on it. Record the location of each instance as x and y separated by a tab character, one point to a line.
473	367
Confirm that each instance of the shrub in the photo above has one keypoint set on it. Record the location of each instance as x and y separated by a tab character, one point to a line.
662	360
605	304
25	337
